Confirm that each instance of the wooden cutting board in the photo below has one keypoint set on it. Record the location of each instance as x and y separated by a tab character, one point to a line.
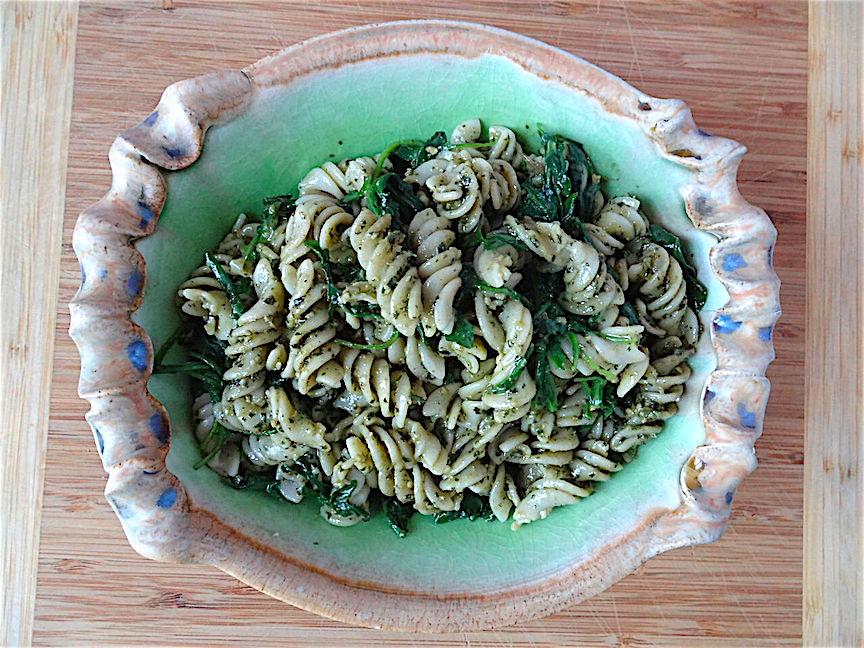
741	67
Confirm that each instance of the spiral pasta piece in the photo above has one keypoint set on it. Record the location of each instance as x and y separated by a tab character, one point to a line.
661	281
439	270
379	252
373	381
618	223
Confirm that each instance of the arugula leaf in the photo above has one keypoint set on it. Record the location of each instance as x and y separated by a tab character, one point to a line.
463	333
168	344
471	282
348	271
356	311
500	239
274	207
220	434
546	394
474	507
390	194
383	345
336	499
398	514
207	361
416	154
324	257
251	482
226	284
353	196
568	188
510	381
597	396
697	293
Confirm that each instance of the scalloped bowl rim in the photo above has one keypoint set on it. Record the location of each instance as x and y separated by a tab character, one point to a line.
117	354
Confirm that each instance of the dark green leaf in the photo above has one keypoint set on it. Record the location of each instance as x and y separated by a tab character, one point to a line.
356	345
463	333
398	514
217	435
510	381
274	207
251	482
500	239
473	507
324	257
697	293
415	152
335	499
226	284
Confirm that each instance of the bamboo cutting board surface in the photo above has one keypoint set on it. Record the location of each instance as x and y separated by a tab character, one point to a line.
741	68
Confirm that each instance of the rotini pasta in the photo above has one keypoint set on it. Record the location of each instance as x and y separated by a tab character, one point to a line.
457	327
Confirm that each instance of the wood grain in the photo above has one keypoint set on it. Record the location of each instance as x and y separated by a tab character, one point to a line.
742	69
834	447
38	55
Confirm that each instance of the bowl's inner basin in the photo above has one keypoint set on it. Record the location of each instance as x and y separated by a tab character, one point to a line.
356	110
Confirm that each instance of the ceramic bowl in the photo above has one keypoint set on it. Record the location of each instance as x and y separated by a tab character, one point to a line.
174	194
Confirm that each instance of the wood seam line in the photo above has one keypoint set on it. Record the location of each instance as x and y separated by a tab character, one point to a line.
833	569
38	56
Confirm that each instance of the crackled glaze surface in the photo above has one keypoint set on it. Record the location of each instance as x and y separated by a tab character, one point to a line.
269	126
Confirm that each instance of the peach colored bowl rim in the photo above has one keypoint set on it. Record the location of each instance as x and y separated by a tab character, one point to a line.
172	137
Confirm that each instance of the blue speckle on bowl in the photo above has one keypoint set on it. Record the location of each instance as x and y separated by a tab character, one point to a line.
145	214
133	283
174	153
748	419
725	324
709	395
158	428
765	333
83	274
137	354
167	498
150	472
733	261
151	118
123	511
100	442
729	497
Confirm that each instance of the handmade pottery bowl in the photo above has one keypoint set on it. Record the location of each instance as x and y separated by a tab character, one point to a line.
347	94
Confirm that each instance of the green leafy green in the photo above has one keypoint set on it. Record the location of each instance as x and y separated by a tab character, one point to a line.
474	507
415	152
252	482
471	282
697	293
568	188
216	434
178	333
463	333
398	514
274	207
500	239
356	345
334	498
599	395
324	257
390	194
510	381
226	284
206	364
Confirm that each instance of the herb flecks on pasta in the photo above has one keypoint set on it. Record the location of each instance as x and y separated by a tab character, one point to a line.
454	327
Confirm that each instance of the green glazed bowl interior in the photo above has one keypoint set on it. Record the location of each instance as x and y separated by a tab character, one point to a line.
447	576
266	152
